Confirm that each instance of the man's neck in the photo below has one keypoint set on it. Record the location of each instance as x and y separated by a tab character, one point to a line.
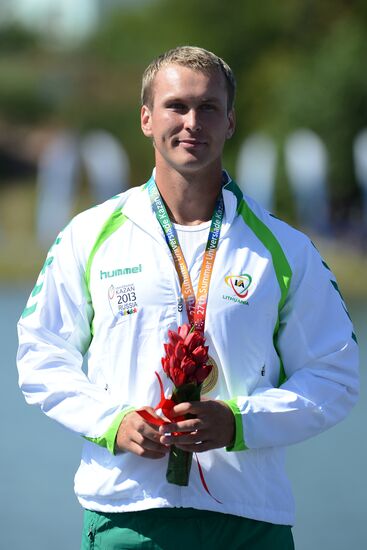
189	199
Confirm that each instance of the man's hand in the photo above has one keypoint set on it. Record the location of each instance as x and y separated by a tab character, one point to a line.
137	436
212	427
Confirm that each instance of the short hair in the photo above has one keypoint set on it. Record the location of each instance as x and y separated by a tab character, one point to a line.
194	58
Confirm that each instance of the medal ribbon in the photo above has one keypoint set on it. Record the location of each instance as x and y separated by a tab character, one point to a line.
195	306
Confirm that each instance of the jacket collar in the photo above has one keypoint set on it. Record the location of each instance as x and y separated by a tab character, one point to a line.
139	210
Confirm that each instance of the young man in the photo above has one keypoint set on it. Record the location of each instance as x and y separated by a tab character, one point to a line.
282	346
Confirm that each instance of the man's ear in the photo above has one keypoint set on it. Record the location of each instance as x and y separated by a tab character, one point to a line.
146	121
231	124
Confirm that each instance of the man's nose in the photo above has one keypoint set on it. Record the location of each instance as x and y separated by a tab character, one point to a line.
192	120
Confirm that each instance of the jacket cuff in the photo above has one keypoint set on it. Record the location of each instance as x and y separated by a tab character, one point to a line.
239	440
108	439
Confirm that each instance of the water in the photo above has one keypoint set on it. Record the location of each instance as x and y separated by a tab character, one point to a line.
38	459
328	472
38	509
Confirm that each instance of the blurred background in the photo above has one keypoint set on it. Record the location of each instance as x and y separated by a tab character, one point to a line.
70	137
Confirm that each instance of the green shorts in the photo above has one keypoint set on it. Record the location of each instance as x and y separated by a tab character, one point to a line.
181	529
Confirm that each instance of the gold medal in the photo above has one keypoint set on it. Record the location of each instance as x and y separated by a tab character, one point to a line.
211	381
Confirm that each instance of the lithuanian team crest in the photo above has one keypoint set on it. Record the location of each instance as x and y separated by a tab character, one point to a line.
239	284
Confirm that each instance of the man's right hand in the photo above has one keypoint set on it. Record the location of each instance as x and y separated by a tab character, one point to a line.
137	436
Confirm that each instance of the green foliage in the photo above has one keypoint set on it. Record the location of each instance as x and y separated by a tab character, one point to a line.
16	38
328	93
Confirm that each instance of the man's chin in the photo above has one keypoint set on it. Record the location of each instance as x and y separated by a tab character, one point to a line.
191	162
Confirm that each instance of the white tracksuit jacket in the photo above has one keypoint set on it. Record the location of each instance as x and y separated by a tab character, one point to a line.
109	289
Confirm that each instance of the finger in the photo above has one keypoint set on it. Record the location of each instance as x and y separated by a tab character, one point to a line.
189	425
182	409
148	439
145	428
150	416
147	453
181	438
146	444
138	436
192	407
140	446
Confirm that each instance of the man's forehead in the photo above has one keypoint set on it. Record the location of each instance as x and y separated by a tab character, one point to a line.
176	79
177	70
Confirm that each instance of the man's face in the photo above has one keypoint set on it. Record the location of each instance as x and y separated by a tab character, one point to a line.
188	121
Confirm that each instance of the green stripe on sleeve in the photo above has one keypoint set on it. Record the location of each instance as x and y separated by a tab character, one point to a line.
29	310
37	289
47	263
108	439
239	441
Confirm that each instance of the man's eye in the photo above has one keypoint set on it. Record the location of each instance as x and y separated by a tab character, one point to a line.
177	106
207	107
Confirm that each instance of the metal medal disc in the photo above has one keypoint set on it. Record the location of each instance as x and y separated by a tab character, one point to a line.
211	381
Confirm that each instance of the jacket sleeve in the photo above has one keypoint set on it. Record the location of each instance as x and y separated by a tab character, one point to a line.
318	349
54	334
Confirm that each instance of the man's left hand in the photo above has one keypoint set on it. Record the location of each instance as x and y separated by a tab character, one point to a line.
212	427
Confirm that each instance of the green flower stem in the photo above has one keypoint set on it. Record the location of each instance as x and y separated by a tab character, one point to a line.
179	461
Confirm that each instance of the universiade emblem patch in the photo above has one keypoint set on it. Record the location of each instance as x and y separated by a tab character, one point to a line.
122	300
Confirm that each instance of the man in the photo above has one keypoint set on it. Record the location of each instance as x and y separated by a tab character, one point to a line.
282	346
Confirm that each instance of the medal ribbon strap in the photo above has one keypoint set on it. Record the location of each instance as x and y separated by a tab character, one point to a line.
195	306
208	264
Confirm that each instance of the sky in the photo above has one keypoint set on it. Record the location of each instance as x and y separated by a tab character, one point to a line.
65	19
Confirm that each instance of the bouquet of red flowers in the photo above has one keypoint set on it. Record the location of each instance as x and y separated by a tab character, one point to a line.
186	365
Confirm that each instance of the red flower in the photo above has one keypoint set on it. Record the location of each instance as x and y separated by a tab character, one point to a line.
183	331
202	373
200	354
186	357
188	365
193	340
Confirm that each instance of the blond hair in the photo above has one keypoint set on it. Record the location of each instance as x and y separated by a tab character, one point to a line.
194	58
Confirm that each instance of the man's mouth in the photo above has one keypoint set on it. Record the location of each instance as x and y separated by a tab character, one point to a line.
189	143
